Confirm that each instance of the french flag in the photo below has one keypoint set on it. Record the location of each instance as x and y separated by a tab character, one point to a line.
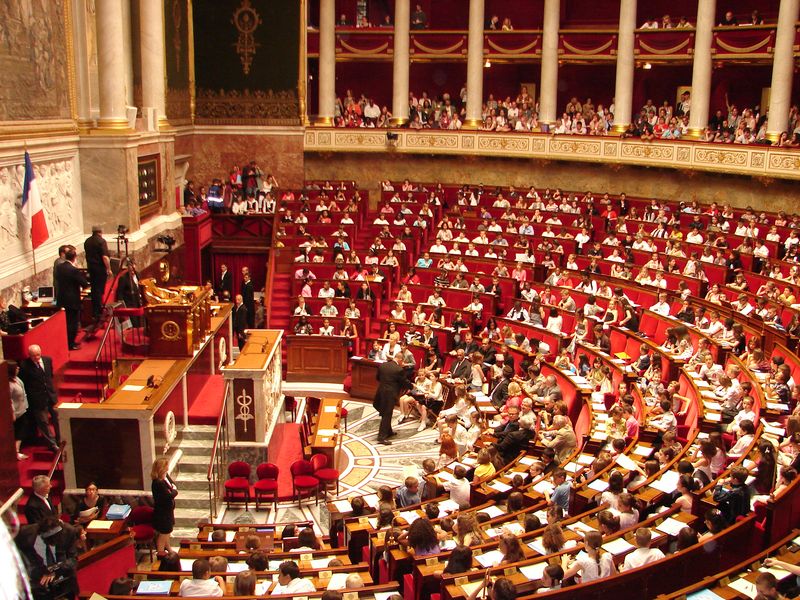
32	210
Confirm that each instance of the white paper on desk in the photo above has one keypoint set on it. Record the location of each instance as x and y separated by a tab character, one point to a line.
445	476
777	406
536	546
602	417
448	506
599	435
469	460
703	595
598	485
490	559
585	459
642	450
274	565
778	572
499	486
324	440
383	595
186	564
132	388
409	515
626	462
667	483
708	394
330	409
493	511
544	486
448	544
744	587
470	587
533	572
357	357
373	522
618	546
327	432
748	464
671	526
572	467
702	435
712	405
98	525
319	563
716	417
71	405
237	567
527	460
338	581
598	407
580	527
262	587
371	500
343	506
580	379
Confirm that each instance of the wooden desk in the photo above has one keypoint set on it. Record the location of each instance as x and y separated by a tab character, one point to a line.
317	358
363	378
123	426
50	333
326	431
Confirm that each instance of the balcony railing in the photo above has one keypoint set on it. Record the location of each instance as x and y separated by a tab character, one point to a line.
764	161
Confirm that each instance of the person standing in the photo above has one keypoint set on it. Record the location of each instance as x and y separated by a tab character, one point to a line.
248	297
164	492
61	252
225	284
70	281
392	381
19	407
240	321
98	262
36	373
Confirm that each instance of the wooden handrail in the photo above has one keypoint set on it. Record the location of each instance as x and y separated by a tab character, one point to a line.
220	418
56	459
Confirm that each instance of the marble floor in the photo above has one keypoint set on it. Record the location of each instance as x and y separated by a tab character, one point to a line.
364	466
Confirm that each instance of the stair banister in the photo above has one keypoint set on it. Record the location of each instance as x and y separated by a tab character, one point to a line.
219	455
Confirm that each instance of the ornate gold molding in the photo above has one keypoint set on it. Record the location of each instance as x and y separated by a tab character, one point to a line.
246	20
258	107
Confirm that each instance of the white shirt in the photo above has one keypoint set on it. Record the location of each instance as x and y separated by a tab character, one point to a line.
199	587
590	570
642	556
661	308
295	586
459	491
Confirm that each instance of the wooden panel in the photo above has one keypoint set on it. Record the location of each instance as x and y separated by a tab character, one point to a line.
363	376
316	358
95	440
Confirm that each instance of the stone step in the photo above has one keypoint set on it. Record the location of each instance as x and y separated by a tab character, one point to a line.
199	465
192	481
186	518
193	432
191	499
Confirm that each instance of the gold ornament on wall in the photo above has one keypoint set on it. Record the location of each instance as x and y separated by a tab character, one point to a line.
246	20
177	20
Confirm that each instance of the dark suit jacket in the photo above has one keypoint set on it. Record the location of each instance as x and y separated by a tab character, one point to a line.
70	281
239	319
392	380
225	284
38	383
64	549
461	371
128	291
500	393
36	508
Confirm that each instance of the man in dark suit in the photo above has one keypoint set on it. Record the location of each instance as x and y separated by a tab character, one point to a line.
39	505
128	291
461	367
225	284
36	373
70	281
98	262
392	381
248	297
240	321
500	392
50	553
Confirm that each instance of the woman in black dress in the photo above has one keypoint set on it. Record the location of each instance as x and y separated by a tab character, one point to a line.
91	507
164	492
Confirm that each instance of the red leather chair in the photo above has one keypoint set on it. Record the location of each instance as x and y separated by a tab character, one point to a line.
237	487
303	480
140	522
266	488
327	476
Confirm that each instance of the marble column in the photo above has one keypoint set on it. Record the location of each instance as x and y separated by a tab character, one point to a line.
111	65
780	95
82	78
548	94
623	91
701	68
327	61
154	76
401	61
475	65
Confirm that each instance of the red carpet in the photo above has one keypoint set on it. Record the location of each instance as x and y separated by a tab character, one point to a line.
205	398
285	447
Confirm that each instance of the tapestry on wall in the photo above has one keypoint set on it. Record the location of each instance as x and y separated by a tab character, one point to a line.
246	61
177	31
33	60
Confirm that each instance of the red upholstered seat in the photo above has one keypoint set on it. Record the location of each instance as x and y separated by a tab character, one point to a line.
326	475
140	522
303	480
267	485
237	487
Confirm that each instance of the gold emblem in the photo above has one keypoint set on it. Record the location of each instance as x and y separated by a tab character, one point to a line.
170	331
246	20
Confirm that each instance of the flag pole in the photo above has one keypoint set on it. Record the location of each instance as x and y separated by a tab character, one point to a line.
33	252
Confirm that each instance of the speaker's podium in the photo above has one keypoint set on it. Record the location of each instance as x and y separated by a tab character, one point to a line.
317	358
178	319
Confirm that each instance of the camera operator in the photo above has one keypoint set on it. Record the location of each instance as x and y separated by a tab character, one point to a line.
49	550
99	262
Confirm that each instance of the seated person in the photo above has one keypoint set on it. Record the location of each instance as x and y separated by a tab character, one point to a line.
290	582
201	583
